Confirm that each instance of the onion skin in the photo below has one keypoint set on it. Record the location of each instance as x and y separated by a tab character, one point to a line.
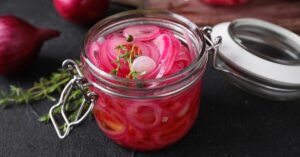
81	11
20	43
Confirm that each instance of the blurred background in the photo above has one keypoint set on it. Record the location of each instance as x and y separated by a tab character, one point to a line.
210	12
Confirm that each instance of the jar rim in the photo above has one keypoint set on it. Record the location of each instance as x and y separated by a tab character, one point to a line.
196	62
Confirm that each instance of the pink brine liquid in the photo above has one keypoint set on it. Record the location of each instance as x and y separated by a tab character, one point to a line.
142	52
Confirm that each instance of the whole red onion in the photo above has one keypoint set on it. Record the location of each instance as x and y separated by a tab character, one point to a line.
20	43
81	11
224	2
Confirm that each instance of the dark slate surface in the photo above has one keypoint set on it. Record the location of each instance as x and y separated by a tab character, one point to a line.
231	122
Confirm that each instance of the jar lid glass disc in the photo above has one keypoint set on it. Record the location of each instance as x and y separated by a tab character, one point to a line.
261	49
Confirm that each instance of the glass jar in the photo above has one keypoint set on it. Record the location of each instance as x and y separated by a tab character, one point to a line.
154	113
157	116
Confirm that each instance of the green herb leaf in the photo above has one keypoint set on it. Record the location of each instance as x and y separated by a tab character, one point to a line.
44	118
43	89
127	57
121	47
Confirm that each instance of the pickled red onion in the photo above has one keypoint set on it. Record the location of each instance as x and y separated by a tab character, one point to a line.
142	32
93	51
165	47
103	59
144	116
110	123
160	44
174	133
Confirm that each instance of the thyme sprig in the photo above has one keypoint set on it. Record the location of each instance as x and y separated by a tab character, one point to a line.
127	57
40	90
44	88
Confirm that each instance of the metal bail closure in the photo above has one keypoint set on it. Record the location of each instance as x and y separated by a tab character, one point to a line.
77	82
213	48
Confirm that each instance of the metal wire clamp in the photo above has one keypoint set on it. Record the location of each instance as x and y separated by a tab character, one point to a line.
77	82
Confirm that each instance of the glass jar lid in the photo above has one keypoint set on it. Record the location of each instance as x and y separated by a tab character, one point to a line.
261	50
